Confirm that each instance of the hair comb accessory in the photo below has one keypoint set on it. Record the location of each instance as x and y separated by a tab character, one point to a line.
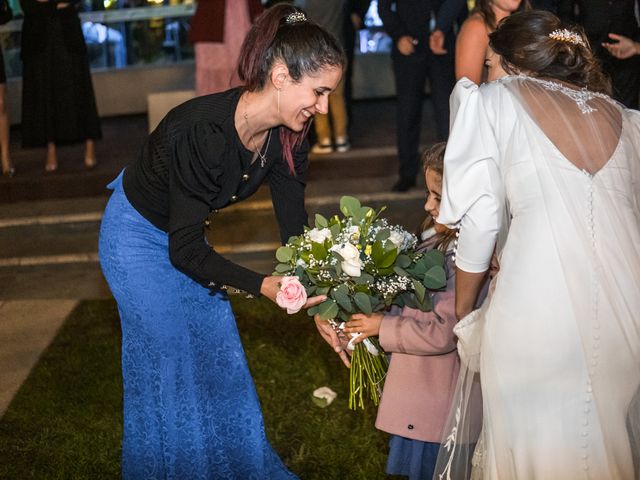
295	17
565	35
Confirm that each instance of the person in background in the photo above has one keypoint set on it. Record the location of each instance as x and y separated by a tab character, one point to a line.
217	31
356	11
599	18
473	39
58	103
621	46
331	129
421	49
190	405
8	169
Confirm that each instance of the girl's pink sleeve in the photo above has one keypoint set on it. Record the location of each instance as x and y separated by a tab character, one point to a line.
422	333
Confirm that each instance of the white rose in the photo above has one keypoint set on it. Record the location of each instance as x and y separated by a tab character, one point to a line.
397	239
354	232
351	264
319	236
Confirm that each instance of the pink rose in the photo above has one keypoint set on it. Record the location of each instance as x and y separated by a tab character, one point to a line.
292	295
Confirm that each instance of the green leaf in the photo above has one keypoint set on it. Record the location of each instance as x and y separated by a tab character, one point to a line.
312	311
318	250
341	296
420	290
403	261
349	205
284	254
383	234
321	222
426	305
322	290
361	214
435	278
335	229
400	271
419	269
363	301
389	258
363	279
433	258
328	309
283	268
377	253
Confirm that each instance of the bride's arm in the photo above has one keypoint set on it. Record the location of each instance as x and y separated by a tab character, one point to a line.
468	286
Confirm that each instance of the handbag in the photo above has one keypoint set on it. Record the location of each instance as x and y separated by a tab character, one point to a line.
5	12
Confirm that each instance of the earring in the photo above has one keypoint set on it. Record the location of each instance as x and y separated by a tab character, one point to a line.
278	101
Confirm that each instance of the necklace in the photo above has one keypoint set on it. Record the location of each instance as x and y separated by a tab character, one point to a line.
263	156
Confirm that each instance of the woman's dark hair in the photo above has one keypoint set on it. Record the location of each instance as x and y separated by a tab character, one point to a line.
433	159
304	47
484	8
522	40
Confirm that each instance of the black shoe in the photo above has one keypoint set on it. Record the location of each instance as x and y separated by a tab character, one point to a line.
403	185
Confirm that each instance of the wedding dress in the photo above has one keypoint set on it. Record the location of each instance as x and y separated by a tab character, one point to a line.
550	175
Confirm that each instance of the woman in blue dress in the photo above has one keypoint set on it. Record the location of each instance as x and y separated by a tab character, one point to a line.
190	405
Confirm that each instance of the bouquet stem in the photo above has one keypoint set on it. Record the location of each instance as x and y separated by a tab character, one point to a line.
366	375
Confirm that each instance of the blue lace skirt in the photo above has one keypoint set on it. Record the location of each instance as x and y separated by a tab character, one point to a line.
190	406
412	458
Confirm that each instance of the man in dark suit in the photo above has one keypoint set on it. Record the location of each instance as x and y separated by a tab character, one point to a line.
423	46
600	18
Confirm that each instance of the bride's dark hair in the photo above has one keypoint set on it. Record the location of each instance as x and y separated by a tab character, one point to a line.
522	40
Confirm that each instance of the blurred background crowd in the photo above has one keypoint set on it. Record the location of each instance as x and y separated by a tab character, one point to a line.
68	63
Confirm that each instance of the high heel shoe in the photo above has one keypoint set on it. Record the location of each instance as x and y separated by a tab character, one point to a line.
9	173
51	167
90	163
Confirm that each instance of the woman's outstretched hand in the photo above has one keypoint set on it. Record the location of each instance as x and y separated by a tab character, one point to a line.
271	286
332	337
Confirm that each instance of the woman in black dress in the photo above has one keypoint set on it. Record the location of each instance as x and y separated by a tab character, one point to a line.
58	104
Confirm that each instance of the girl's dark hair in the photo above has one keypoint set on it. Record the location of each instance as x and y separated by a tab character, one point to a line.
304	47
433	159
522	40
483	7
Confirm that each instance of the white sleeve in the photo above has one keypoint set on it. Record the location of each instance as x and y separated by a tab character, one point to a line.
472	188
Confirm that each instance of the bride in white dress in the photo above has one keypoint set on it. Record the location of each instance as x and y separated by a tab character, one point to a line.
543	166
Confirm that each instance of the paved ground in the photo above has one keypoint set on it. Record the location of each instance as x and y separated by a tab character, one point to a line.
49	223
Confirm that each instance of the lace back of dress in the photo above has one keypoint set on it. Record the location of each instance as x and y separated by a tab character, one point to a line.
583	126
582	170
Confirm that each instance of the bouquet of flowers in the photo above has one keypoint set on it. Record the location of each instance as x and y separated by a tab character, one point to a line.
363	265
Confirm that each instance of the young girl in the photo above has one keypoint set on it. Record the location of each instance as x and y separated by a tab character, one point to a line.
424	361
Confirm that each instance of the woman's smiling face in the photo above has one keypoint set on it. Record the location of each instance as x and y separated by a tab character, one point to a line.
299	101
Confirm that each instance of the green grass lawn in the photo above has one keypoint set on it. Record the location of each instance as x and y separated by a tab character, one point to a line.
65	422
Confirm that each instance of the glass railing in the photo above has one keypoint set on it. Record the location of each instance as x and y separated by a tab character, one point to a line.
126	37
151	35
